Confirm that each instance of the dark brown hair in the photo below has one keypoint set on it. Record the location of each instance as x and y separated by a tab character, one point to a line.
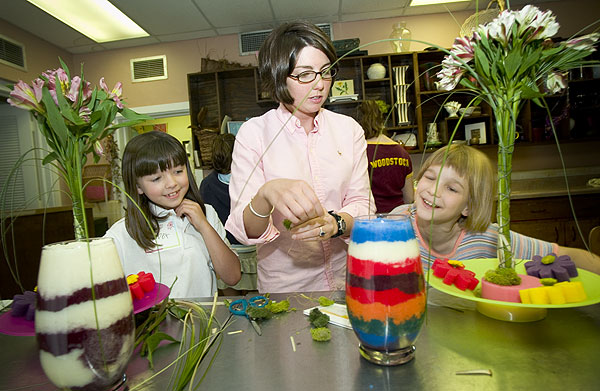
371	118
222	149
278	55
144	155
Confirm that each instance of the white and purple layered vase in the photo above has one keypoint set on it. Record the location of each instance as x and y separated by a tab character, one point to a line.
84	318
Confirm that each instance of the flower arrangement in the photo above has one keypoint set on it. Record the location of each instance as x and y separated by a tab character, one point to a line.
73	117
504	62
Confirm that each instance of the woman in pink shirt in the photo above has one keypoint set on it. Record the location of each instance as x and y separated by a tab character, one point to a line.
300	163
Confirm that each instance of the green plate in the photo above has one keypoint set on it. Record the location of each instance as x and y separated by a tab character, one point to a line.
591	285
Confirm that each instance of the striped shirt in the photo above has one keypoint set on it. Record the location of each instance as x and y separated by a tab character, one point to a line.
473	245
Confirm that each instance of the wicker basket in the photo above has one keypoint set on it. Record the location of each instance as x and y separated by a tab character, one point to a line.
205	139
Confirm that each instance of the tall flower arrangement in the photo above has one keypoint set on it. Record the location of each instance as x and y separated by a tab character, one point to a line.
504	62
73	116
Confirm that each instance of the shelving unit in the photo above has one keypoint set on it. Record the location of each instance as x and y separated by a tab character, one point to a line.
237	93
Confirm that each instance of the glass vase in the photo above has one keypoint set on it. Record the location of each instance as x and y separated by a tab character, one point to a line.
385	288
401	38
84	317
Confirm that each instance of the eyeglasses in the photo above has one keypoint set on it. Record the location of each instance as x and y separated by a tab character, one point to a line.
310	76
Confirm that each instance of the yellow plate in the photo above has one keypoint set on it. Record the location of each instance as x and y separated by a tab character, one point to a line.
591	285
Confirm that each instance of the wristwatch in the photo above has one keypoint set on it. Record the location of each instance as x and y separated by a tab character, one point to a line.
341	224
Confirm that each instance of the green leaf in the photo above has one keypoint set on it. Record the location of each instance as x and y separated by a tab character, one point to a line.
65	67
56	122
49	158
512	63
153	341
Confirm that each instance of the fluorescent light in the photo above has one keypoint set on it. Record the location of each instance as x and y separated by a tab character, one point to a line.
432	2
96	19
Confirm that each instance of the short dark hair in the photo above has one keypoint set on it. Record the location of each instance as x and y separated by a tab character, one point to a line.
144	155
222	149
278	55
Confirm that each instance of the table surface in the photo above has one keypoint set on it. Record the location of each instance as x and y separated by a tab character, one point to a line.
560	350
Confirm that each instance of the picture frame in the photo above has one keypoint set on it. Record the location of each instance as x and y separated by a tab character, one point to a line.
234	126
342	88
476	130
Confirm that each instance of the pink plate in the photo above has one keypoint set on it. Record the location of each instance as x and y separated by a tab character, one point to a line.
20	327
150	299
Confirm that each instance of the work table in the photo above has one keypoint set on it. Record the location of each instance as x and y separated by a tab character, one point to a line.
544	355
548	183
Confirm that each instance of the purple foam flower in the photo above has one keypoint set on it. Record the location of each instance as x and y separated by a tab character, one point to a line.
562	269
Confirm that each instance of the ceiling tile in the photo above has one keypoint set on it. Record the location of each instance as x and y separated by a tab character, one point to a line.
230	13
306	9
162	16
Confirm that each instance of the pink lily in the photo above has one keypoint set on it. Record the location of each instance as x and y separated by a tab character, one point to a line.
24	96
115	94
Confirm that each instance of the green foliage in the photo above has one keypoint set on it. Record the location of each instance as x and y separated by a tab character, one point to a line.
320	334
325	301
502	276
317	318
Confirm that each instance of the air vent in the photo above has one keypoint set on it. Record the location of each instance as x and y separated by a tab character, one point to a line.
12	53
149	68
250	42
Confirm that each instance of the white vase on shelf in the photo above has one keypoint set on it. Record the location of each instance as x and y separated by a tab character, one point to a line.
401	37
376	71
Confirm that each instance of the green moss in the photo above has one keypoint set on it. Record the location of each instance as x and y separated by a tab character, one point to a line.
325	301
321	334
502	276
548	259
287	224
259	312
278	307
317	318
548	281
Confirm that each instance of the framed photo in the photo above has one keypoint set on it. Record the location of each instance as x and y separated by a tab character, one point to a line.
476	130
234	126
342	88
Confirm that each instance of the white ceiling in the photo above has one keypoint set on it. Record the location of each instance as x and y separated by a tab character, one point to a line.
176	20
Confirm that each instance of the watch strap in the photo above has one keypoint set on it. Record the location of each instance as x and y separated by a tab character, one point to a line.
341	224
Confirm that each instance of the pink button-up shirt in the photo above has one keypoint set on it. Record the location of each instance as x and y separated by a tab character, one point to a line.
332	159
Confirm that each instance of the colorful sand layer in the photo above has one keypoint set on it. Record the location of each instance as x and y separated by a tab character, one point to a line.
385	288
78	349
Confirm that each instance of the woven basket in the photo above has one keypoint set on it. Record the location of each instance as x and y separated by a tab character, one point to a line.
205	139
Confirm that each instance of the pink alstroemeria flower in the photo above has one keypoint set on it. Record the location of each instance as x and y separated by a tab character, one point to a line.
115	94
556	82
73	92
585	42
85	113
27	97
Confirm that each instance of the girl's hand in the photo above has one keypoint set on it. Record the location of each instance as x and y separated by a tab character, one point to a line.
294	199
194	213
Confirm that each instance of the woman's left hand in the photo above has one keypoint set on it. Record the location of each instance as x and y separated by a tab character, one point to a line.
318	228
194	213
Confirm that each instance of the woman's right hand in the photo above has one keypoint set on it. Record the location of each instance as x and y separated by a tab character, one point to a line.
294	199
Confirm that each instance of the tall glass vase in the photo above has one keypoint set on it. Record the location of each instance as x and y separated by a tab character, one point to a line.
84	318
506	125
401	37
385	288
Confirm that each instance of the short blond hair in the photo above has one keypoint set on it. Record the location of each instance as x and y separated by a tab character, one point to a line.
477	169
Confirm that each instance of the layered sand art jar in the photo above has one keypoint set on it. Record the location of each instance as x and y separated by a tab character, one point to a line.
85	336
385	288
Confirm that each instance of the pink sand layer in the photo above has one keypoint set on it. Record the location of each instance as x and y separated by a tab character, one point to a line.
508	293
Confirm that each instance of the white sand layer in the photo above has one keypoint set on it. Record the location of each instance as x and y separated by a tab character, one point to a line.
81	316
385	252
66	267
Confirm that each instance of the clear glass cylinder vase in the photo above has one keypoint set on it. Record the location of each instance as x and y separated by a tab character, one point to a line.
84	318
385	288
400	37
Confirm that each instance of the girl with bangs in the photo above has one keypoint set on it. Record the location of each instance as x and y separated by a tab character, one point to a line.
190	243
461	206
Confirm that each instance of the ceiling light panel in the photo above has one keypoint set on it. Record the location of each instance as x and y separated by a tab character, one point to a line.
96	19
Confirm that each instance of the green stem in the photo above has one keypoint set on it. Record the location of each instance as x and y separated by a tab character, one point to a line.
74	168
506	112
